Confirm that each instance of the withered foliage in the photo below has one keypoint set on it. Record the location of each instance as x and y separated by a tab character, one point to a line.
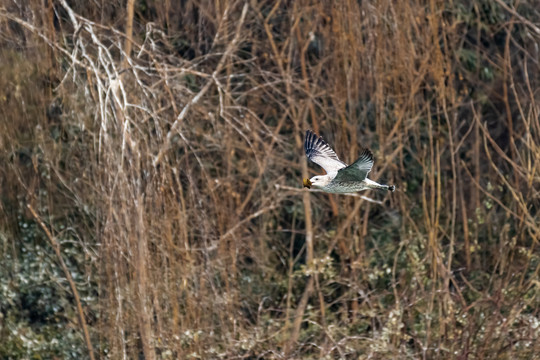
151	165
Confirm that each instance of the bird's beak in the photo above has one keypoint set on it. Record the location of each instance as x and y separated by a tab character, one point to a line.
307	183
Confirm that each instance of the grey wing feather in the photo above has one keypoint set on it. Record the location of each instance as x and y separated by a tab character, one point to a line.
318	151
358	170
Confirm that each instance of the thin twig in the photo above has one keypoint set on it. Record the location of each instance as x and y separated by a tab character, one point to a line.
200	94
80	311
301	191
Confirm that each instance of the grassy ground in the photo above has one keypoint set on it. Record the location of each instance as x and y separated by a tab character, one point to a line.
151	165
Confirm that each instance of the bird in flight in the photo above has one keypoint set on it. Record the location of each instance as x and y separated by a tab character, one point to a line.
339	178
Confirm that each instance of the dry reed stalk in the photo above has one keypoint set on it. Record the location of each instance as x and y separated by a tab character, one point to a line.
69	278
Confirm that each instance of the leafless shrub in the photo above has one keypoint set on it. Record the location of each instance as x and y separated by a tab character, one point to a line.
173	143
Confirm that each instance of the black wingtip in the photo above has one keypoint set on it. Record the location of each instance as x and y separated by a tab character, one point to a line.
391	188
367	154
308	140
310	136
311	140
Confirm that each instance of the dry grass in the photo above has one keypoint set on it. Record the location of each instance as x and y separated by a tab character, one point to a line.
162	145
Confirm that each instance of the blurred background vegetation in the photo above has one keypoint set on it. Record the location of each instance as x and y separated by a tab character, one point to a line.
151	166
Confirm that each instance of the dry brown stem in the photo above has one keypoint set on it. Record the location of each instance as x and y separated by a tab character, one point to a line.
56	247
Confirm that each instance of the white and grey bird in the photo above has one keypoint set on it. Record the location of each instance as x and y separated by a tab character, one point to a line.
339	178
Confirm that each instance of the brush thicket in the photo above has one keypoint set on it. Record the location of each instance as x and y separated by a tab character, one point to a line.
162	146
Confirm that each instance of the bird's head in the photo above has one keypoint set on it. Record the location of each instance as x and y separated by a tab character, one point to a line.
316	181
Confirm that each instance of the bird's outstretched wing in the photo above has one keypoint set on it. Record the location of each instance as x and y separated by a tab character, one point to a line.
318	151
359	169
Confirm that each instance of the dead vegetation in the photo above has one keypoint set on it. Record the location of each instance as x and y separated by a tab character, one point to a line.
159	146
